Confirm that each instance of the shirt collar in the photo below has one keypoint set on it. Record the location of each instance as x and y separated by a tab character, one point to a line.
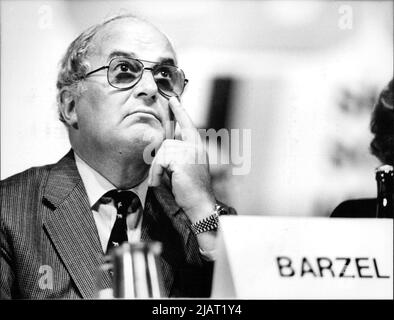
96	185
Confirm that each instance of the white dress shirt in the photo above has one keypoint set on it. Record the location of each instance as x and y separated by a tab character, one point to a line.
104	214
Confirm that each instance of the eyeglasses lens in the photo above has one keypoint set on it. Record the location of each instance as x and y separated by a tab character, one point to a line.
169	79
125	73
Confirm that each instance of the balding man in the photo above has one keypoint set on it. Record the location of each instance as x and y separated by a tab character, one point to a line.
119	91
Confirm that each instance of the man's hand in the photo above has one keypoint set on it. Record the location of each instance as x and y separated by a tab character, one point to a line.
186	162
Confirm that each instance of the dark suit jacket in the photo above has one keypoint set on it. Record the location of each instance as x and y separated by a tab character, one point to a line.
358	208
46	221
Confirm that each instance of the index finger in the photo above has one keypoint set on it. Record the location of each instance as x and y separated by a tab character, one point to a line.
186	125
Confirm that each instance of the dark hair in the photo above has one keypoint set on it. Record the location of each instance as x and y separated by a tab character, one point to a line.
382	126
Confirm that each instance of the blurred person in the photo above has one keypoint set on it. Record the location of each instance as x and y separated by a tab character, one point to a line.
118	96
381	146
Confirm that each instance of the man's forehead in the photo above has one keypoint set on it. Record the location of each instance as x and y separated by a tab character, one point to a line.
133	38
165	59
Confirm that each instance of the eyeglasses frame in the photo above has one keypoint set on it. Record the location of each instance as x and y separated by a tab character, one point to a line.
156	64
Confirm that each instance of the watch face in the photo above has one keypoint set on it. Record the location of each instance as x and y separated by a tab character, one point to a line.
222	211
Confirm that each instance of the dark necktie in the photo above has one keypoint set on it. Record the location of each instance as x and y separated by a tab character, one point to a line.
125	202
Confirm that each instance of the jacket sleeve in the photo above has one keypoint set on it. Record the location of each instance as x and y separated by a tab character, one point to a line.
7	277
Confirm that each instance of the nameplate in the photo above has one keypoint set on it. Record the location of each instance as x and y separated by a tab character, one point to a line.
304	258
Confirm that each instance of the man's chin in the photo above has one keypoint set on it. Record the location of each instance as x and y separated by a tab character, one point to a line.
139	140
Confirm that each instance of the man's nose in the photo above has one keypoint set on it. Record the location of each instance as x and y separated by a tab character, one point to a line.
146	88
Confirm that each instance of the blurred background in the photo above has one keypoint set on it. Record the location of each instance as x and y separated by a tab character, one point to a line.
300	76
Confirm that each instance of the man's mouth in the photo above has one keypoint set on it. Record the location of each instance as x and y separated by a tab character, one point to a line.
145	112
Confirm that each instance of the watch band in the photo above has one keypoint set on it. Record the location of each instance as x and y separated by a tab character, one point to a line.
209	223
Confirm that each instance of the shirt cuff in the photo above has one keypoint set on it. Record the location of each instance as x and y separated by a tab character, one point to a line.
208	255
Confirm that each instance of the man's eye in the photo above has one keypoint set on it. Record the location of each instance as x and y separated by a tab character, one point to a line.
164	74
124	67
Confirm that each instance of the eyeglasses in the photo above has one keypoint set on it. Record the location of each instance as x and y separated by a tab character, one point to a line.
124	73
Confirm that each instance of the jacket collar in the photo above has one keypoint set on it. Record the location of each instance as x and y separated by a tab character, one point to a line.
63	178
71	226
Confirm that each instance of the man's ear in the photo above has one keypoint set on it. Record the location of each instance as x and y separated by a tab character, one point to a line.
67	107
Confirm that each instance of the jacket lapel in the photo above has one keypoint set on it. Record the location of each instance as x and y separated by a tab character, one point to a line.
71	226
161	209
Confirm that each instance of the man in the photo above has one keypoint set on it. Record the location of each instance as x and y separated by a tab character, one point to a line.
118	92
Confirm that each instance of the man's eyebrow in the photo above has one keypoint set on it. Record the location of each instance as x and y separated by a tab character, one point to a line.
167	61
118	53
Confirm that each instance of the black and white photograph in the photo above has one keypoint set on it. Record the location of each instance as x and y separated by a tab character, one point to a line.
248	156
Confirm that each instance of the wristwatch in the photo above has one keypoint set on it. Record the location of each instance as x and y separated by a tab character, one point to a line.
211	222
